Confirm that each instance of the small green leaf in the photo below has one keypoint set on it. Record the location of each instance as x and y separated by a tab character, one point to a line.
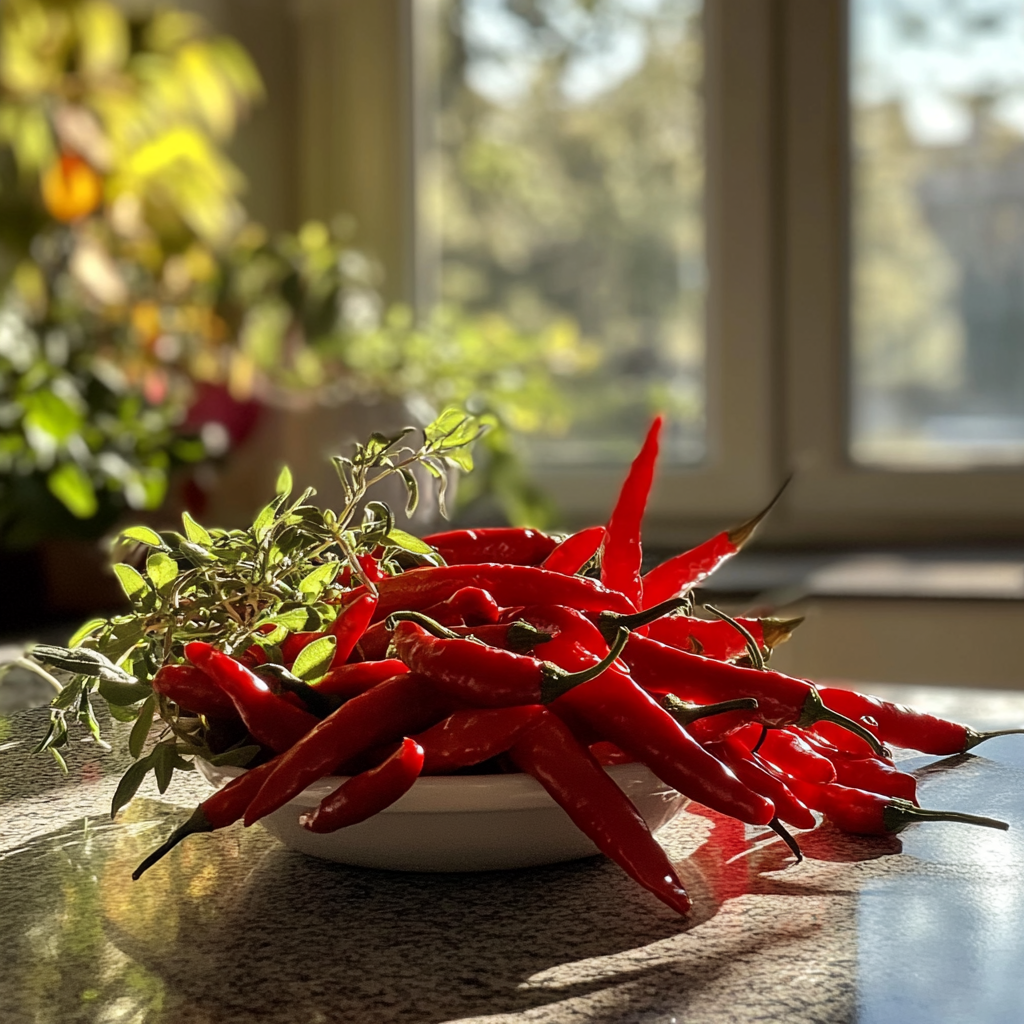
129	784
81	661
123	694
143	535
315	659
122	714
196	553
161	569
407	542
86	630
137	737
68	695
240	756
70	485
59	758
314	583
293	620
284	481
195	533
264	521
88	718
132	582
412	490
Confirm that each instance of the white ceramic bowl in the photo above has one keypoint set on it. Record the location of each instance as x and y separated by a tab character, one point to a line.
460	822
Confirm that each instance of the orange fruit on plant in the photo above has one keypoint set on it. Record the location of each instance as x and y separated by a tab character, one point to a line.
71	188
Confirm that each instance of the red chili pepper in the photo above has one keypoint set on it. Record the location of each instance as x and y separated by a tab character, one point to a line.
612	707
871	773
369	792
682	573
192	689
754	773
782	700
272	720
575	551
351	624
224	808
510	585
717	639
400	706
352	680
904	727
550	753
621	554
483	676
796	756
512	545
294	644
874	814
469	737
467	606
606	753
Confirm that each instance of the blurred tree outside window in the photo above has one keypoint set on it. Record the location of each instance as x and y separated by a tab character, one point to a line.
567	187
937	122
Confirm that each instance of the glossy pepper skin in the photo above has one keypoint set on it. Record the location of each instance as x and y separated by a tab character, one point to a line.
400	706
621	554
472	736
711	638
192	689
272	720
753	772
782	700
870	773
350	624
904	727
795	755
368	793
510	585
467	606
550	753
613	708
513	545
478	675
351	680
575	551
682	573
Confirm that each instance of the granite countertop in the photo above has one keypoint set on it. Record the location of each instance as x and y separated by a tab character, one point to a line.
232	927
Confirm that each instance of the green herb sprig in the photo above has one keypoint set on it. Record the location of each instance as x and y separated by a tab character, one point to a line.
235	588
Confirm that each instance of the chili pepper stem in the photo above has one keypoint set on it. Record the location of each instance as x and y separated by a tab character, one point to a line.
756	656
557	681
901	813
814	710
760	739
523	637
685	713
780	830
974	737
432	627
197	823
739	535
609	623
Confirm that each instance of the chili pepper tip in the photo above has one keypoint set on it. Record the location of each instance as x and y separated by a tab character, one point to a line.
778	631
901	813
739	535
198	822
780	830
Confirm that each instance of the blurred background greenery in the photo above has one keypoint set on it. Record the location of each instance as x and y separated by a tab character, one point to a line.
145	318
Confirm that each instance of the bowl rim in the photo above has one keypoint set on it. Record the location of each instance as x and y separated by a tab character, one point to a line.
431	794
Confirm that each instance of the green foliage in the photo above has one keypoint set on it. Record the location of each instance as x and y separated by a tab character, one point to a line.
286	571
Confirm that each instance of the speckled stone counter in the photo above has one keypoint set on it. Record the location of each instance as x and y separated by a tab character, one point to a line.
234	928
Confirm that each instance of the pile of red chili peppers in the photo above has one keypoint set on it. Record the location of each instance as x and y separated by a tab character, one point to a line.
511	657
